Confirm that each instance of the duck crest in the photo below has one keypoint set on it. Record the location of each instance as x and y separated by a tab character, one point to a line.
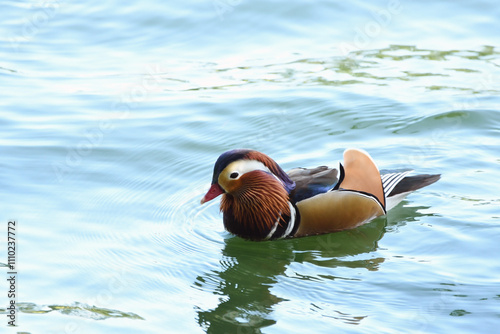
247	154
273	167
259	206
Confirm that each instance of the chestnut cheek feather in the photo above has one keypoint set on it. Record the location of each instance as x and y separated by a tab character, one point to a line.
256	205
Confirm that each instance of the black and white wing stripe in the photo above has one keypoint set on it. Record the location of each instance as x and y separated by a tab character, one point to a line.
390	181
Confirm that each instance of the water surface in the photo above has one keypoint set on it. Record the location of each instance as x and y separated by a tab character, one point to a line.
112	115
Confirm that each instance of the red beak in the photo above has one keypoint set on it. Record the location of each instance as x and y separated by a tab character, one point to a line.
214	191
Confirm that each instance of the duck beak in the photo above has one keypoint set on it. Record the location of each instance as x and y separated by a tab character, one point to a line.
214	191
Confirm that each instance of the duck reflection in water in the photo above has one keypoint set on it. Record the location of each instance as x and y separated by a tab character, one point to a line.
251	271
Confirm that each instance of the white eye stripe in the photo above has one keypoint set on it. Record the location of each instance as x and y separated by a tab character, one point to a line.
241	167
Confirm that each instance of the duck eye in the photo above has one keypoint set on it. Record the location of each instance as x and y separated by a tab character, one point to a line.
234	175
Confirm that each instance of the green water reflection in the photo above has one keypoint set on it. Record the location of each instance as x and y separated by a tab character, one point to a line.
249	271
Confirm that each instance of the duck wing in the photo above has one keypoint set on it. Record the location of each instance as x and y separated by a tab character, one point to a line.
359	195
310	182
357	198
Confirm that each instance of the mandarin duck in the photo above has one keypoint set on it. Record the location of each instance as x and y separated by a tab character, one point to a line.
260	201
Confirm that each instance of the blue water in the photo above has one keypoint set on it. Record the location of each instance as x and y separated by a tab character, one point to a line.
112	115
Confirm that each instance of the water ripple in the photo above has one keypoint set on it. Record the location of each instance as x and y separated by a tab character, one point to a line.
186	225
77	309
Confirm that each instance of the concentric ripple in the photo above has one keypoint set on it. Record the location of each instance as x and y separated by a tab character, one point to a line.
187	226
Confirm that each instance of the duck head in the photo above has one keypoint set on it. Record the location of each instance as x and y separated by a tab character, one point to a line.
255	192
